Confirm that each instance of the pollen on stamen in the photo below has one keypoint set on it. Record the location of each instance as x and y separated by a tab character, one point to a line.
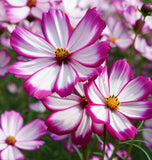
112	102
31	3
61	54
84	101
10	140
112	39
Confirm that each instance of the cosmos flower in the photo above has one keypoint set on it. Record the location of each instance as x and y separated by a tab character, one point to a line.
70	115
14	135
61	59
116	99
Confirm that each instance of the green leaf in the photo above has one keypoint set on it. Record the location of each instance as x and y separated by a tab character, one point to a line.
78	152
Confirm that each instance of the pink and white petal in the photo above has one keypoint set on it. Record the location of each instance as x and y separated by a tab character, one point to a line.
83	72
147	136
41	83
79	87
148	123
111	22
2	135
66	79
30	45
3	145
11	153
56	27
137	89
102	83
54	102
37	107
4	71
93	55
35	129
99	113
137	110
16	15
118	29
123	43
25	69
4	58
17	3
29	145
93	25
93	94
120	74
120	127
98	128
83	133
36	12
65	121
11	122
56	137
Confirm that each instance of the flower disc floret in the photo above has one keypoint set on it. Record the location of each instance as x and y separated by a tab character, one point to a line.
31	3
61	54
112	39
113	102
10	140
84	101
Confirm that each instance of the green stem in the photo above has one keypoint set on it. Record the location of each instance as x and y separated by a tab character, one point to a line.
104	142
136	33
115	150
85	152
70	155
130	148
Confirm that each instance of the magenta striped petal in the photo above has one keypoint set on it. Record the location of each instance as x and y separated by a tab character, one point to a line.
137	110
83	133
81	37
16	3
30	45
41	83
96	54
137	89
65	121
120	127
55	102
98	128
56	27
56	137
120	74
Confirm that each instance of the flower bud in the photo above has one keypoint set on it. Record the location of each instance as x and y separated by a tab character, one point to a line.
146	9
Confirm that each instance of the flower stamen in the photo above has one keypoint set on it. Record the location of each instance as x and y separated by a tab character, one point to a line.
112	39
61	54
112	102
84	101
10	140
31	3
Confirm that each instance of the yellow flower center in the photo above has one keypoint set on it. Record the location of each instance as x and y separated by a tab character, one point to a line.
84	101
10	140
112	102
112	39
61	54
31	3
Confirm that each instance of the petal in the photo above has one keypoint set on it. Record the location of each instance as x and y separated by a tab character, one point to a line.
11	122
16	15
65	121
83	72
4	58
30	45
137	110
83	133
3	145
35	129
120	74
29	145
56	27
120	127
118	29
98	113
148	123
56	137
87	31
4	71
147	136
66	80
123	43
17	3
79	87
137	89
93	55
2	135
27	68
111	22
55	102
41	83
11	153
98	128
37	107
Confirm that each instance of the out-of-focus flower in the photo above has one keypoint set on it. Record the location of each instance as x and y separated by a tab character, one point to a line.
4	62
147	133
70	115
37	107
116	32
12	87
18	10
61	59
116	99
14	135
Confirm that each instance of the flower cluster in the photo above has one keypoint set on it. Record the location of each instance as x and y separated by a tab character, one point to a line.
74	58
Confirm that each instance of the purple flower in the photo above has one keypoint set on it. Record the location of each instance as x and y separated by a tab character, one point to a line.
61	59
14	135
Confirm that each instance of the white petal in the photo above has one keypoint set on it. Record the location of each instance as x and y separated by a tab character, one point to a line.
37	107
17	3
